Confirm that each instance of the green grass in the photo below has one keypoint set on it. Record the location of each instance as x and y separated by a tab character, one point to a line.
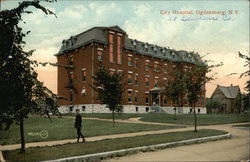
63	128
68	150
242	125
202	119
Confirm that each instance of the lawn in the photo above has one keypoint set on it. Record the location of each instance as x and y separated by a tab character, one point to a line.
242	125
202	119
68	150
63	128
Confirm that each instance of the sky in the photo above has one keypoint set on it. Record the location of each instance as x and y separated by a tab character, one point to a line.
213	34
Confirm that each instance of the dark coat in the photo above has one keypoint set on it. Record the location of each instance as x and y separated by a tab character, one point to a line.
78	121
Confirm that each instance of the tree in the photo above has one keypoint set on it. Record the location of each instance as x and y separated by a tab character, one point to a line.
20	88
175	87
109	88
195	80
246	97
212	105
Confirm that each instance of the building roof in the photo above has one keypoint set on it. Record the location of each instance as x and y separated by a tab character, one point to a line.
99	35
230	92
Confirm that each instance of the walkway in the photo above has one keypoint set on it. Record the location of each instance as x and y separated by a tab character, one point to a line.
235	149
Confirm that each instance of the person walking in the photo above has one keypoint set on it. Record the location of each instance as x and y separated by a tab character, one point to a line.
78	125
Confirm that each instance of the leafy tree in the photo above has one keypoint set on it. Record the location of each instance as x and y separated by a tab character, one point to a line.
195	80
20	88
246	102
175	87
109	88
212	105
246	98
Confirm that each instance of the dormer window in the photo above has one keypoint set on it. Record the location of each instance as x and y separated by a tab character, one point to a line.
64	44
146	47
67	43
155	49
134	43
73	40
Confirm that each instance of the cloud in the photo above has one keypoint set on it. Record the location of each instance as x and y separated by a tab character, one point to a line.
104	8
142	10
74	11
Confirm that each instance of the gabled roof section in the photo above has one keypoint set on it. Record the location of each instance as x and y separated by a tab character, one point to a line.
230	92
96	34
117	28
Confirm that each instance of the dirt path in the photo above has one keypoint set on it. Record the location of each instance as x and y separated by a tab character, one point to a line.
131	120
235	149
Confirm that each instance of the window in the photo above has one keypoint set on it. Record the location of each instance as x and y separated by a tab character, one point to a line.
136	62
71	60
119	55
130	61
99	55
165	68
119	72
136	97
146	48
71	98
129	96
83	91
147	98
130	78
199	110
156	83
71	77
174	67
111	48
185	68
147	81
156	68
136	79
71	108
83	108
165	101
147	109
190	110
84	74
146	66
111	71
136	109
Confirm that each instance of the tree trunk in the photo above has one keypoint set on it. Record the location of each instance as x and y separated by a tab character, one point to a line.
195	120
21	126
175	113
113	115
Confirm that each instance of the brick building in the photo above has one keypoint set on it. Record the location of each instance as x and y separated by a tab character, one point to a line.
144	66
